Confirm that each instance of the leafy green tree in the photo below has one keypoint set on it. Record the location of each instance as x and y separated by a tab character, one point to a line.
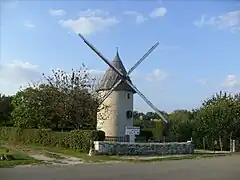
181	125
64	100
217	120
158	130
5	110
30	108
180	115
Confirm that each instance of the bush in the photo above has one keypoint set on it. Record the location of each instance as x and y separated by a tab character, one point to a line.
77	139
147	133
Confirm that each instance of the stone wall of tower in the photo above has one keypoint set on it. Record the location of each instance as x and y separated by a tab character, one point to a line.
112	117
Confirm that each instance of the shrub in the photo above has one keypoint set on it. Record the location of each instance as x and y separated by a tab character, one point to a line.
147	133
77	139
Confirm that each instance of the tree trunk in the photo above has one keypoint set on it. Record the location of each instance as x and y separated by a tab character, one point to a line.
204	146
220	143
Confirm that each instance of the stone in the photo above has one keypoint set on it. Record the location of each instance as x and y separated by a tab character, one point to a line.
149	149
2	157
92	152
9	157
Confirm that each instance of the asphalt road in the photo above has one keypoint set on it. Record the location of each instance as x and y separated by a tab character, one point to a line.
220	168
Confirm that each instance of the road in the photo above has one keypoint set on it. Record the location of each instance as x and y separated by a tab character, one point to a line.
220	168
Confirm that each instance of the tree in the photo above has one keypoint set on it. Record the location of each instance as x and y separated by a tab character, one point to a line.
31	107
218	120
181	125
158	130
5	110
63	100
180	115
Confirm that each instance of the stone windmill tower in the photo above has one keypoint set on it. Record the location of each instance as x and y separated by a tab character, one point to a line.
116	91
119	104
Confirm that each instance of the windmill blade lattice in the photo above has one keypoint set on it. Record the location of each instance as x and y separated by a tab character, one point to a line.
101	56
110	91
143	58
147	101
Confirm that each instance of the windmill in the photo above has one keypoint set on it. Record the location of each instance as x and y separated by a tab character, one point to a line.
117	90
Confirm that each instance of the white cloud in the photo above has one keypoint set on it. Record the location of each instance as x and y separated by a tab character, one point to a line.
95	12
16	74
57	12
90	22
96	72
202	81
231	81
29	24
230	21
158	12
139	17
157	75
20	73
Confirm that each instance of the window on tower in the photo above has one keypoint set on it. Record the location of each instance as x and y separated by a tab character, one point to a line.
129	114
128	95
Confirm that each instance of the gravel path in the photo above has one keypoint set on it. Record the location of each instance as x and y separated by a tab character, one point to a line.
66	160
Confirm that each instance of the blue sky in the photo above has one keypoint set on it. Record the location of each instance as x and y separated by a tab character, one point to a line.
198	55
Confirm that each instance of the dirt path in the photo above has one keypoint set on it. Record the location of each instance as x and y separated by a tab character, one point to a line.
64	160
46	156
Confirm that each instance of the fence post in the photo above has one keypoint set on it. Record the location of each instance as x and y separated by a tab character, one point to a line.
204	146
233	145
230	149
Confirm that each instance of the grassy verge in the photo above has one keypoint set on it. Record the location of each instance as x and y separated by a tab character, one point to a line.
52	155
174	157
19	159
132	159
71	152
54	152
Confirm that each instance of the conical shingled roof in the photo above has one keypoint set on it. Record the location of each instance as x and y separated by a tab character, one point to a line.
111	77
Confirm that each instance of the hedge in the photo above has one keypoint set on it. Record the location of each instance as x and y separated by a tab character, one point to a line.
77	139
147	133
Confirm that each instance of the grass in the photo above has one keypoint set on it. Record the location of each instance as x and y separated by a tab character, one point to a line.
71	152
175	157
53	155
102	158
55	152
19	159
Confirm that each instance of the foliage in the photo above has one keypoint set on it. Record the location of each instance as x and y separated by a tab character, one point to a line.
218	120
62	101
181	125
5	110
158	131
147	133
76	139
211	126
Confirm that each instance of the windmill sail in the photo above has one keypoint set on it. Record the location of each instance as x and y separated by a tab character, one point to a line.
100	55
110	91
143	58
148	102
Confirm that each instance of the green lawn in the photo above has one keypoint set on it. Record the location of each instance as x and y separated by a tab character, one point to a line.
71	152
19	159
50	152
86	158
